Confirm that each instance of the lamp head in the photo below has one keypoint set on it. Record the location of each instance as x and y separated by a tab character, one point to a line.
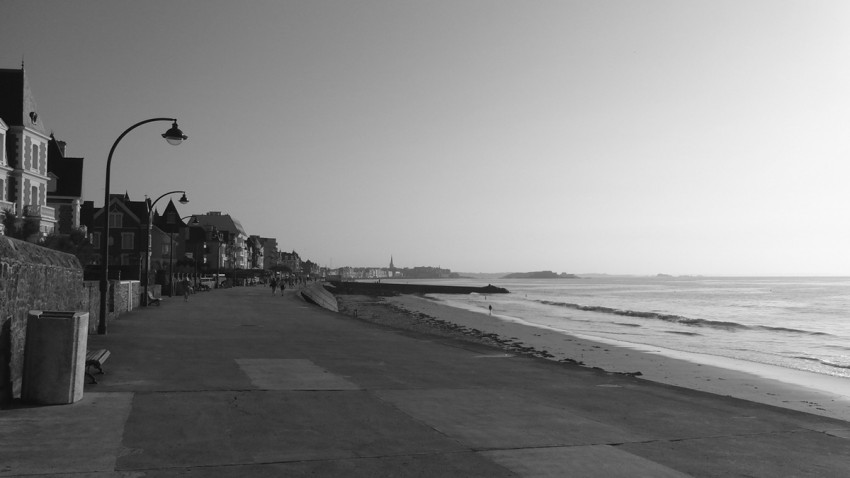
183	199
174	136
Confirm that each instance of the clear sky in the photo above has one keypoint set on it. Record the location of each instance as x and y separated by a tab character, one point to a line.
641	137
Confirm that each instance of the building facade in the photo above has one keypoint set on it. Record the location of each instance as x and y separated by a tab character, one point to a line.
25	175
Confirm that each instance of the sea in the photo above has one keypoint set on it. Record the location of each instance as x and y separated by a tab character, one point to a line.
800	323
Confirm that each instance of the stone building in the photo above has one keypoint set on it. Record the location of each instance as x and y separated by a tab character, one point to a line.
231	251
24	173
64	186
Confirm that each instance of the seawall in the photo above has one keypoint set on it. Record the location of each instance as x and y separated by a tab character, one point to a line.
387	289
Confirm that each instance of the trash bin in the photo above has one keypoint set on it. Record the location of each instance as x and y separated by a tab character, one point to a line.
55	357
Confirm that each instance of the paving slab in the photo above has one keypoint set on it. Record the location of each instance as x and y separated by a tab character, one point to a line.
597	460
486	419
800	454
191	429
84	437
292	374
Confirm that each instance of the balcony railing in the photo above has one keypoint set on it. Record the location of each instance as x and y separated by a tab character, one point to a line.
43	212
7	206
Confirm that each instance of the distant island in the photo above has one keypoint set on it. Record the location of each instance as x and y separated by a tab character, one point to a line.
540	275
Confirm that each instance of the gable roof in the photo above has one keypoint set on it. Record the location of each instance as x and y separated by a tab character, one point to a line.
161	221
222	222
17	104
137	209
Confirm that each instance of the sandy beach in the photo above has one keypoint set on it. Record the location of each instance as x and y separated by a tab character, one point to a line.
771	385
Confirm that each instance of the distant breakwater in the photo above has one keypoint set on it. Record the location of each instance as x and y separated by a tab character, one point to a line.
388	289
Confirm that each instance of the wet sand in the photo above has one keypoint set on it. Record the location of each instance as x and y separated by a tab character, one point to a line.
777	386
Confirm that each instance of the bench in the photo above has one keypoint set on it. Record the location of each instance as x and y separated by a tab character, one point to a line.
153	300
96	358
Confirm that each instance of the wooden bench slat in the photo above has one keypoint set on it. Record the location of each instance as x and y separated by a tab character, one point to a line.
96	358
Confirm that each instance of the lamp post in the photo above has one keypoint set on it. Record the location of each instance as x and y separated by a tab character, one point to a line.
174	137
183	200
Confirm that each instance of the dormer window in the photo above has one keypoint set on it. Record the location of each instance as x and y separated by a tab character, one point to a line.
34	117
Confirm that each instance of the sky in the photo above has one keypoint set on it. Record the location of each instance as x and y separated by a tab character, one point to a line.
621	137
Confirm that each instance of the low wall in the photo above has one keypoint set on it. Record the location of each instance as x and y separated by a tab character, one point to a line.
31	278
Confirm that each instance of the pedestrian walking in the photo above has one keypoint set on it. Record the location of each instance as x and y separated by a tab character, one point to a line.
274	285
187	289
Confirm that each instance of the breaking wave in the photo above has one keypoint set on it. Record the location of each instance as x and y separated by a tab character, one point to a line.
676	319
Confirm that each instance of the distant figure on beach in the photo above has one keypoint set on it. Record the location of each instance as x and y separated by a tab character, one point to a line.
491	309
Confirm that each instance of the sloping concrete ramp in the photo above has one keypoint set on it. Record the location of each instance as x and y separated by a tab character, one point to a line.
315	293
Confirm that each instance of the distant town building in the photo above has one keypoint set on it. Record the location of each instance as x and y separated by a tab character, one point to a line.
232	251
270	253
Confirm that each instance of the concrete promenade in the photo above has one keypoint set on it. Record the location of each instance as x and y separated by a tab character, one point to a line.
238	382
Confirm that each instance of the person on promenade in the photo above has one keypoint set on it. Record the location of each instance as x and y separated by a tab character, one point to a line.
187	288
274	285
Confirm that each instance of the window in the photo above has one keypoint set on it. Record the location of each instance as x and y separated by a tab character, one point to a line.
127	240
2	148
95	240
166	249
34	196
34	162
116	220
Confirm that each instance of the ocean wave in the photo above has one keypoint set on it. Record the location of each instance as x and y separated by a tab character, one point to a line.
824	362
791	331
678	319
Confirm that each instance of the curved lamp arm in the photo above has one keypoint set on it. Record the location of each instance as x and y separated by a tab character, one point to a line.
173	136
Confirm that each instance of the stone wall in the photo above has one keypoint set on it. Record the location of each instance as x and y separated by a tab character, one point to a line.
31	278
36	278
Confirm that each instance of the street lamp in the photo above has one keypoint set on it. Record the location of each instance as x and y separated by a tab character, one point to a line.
174	137
183	200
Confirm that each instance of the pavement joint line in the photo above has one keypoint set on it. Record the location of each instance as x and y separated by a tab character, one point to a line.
285	462
637	442
714	437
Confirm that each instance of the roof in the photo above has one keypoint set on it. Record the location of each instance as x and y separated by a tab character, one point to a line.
17	104
68	171
161	221
222	222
